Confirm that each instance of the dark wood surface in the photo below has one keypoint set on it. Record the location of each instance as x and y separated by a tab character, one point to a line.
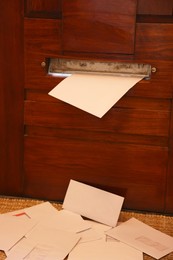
155	7
169	183
43	8
11	97
129	150
91	26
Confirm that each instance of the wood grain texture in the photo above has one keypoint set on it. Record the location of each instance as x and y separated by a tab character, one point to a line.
169	190
136	120
11	97
96	26
119	168
155	7
154	41
42	40
43	8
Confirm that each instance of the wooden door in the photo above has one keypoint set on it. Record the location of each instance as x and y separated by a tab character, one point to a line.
129	152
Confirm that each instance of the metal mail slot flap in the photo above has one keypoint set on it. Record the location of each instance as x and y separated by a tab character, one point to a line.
65	67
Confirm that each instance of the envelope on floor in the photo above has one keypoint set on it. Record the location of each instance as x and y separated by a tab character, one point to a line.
67	221
93	203
12	229
44	243
143	237
104	250
37	212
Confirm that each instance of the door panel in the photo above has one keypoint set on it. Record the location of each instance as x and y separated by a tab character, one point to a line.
99	26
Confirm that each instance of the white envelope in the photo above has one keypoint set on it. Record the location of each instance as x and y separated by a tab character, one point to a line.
12	229
93	203
143	237
93	93
52	243
67	221
41	211
52	238
44	243
38	212
101	250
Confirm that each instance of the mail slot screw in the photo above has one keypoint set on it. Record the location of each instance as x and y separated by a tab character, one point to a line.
43	64
153	70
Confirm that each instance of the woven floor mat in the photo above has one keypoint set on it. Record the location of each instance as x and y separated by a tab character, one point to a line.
160	222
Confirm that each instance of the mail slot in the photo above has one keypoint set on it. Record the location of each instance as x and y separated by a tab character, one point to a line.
66	67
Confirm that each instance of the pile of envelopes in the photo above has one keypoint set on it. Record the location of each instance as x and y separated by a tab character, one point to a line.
87	228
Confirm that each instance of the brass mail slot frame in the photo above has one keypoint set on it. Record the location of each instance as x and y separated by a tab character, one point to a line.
65	67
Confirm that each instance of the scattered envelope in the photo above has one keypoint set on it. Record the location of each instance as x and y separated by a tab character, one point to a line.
44	243
101	250
41	211
67	221
38	212
12	229
93	203
143	237
93	93
43	232
48	233
52	240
